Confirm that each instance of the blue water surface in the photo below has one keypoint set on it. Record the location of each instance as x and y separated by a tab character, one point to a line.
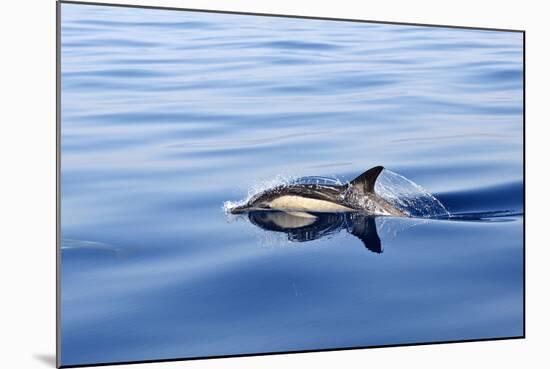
168	114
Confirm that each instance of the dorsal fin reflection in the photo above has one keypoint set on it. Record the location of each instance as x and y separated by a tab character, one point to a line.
303	227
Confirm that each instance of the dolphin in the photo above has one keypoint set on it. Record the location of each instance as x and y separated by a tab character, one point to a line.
302	199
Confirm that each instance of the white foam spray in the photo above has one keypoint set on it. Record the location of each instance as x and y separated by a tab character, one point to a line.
408	196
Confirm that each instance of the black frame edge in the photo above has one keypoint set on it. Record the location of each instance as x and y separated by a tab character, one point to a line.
57	183
287	16
292	352
524	191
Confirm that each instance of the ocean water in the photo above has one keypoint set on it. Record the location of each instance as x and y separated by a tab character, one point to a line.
166	115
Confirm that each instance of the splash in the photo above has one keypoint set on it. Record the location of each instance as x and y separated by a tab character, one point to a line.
230	205
318	180
408	196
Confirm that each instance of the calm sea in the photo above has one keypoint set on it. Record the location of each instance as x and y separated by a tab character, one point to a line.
167	114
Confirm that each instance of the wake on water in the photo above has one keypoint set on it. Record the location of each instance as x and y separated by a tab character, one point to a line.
400	191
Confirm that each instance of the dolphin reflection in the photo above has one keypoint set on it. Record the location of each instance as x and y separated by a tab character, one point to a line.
303	227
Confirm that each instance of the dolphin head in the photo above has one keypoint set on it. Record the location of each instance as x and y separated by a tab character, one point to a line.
260	201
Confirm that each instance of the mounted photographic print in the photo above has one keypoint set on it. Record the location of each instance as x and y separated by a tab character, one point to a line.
237	184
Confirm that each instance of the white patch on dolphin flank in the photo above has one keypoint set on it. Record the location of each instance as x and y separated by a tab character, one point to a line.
298	203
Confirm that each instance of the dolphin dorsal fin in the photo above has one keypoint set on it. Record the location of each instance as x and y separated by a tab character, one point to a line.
365	182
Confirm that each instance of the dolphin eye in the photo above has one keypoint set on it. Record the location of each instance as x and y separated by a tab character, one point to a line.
264	206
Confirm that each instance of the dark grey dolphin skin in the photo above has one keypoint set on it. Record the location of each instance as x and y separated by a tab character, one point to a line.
300	229
355	196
